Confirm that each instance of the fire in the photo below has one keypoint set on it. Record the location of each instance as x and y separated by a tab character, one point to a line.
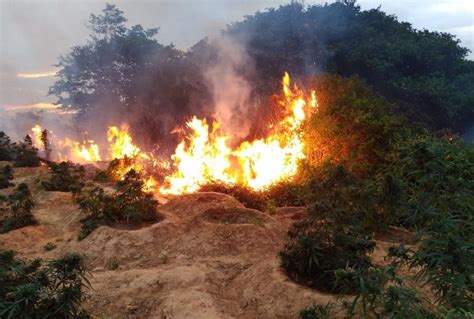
121	143
88	151
206	157
37	132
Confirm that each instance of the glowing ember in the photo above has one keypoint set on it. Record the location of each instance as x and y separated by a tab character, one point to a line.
206	156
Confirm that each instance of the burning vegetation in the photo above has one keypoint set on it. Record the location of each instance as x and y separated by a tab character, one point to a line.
345	179
204	155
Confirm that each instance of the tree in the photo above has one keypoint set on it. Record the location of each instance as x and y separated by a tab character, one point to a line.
425	73
26	155
46	144
6	148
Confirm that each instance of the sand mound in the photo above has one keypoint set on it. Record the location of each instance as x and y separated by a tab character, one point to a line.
210	257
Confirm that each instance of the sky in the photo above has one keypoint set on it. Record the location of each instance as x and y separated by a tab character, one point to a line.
33	33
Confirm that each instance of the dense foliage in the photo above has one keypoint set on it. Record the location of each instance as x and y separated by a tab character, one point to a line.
16	208
130	204
42	289
125	72
425	73
65	177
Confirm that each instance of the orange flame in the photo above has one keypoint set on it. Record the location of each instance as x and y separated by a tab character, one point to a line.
207	157
37	131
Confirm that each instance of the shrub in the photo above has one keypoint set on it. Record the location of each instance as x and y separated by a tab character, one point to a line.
316	250
445	261
17	214
115	170
129	204
26	155
49	246
287	193
437	176
6	175
65	177
42	289
383	295
247	196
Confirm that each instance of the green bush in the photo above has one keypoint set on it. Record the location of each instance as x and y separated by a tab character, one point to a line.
65	177
437	176
17	213
6	175
42	289
317	249
287	193
381	294
129	204
26	155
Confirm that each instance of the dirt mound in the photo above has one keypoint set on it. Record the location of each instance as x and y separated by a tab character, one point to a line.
234	216
210	257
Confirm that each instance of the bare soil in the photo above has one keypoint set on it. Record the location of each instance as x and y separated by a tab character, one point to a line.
208	257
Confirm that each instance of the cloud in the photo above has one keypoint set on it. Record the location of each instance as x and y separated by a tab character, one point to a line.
36	75
31	107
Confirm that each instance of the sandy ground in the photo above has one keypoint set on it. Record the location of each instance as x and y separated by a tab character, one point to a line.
208	258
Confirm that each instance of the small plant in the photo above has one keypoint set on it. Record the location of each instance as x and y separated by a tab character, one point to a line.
129	204
317	311
26	155
65	177
112	264
17	212
42	289
49	246
6	175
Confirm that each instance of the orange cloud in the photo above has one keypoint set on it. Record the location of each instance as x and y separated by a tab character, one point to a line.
36	75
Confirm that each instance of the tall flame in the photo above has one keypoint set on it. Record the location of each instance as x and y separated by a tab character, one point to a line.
206	157
121	143
37	131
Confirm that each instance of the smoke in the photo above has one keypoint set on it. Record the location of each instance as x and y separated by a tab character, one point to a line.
228	86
